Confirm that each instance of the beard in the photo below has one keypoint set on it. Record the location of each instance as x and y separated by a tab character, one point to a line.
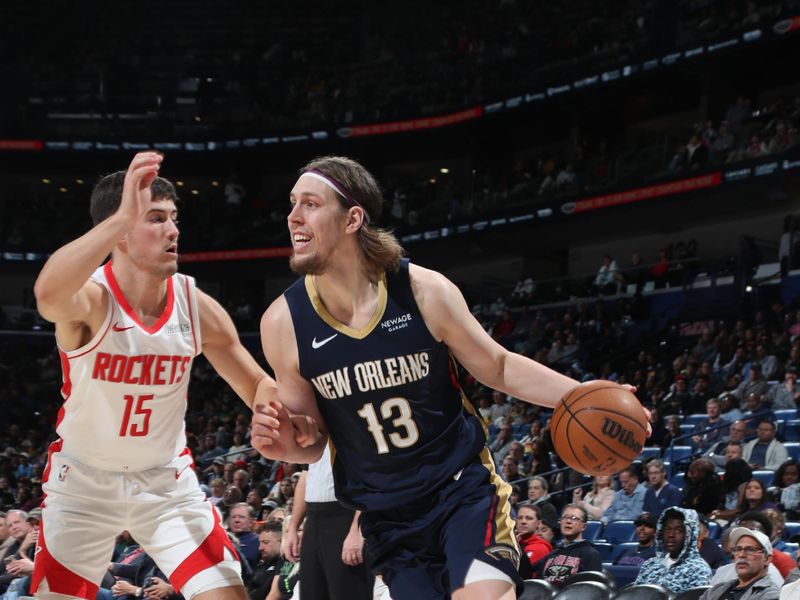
309	265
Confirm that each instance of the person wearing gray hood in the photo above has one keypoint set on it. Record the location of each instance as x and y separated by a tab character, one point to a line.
677	564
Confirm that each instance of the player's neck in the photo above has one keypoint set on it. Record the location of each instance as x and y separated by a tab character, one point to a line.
349	294
145	293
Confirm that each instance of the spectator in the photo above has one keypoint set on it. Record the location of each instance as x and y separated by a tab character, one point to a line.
703	492
605	280
730	408
755	522
538	495
786	394
629	500
718	452
755	497
723	143
240	523
635	274
734	481
752	554
677	564
509	471
709	549
646	525
782	560
25	536
787	484
269	562
598	499
574	554
765	452
531	543
709	431
502	443
696	153
754	384
769	363
660	493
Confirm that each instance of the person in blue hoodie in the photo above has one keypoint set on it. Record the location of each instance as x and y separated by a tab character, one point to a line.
677	564
660	493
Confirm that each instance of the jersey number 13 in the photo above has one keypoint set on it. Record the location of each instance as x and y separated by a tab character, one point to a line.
399	411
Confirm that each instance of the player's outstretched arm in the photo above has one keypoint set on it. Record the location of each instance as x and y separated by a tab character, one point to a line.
448	317
63	293
296	395
231	360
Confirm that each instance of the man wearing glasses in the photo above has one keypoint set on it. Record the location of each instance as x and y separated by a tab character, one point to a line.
752	554
574	554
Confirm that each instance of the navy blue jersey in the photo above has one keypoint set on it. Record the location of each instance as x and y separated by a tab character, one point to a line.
398	421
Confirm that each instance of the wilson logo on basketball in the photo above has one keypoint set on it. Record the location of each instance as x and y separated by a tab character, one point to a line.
617	432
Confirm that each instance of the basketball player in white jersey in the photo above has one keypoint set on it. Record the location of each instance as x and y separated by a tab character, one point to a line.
127	333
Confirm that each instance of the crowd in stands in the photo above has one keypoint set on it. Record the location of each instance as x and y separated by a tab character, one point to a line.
724	451
253	68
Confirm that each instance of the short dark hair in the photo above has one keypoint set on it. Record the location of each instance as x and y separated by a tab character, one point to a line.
532	507
761	519
107	194
272	527
632	471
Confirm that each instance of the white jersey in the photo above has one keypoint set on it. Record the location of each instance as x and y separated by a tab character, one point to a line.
125	391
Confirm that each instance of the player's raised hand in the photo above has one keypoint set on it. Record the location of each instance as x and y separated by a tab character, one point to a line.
136	195
632	390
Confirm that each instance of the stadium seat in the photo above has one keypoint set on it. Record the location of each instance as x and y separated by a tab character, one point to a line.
694	418
649	452
687	428
592	531
791	548
765	476
605	549
623	547
644	591
793	448
791	431
676	454
678	480
538	589
624	574
714	530
792	529
692	593
619	531
785	414
584	590
599	576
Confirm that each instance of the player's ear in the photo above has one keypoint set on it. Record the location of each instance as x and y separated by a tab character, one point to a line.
355	219
122	244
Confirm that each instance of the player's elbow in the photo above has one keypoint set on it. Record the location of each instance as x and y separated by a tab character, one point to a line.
45	296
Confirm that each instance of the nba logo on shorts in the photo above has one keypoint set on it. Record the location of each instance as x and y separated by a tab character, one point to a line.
62	472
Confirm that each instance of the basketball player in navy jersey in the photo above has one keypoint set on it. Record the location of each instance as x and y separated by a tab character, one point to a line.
366	344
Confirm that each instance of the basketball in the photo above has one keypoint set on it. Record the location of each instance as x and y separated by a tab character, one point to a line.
598	428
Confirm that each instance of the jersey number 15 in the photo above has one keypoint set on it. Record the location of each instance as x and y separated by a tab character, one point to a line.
141	427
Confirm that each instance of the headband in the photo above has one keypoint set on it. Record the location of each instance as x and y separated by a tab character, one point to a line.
336	187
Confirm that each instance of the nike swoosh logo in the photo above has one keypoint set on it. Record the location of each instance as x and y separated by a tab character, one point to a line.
319	344
116	327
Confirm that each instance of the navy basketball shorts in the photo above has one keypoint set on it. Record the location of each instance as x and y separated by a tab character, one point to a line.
425	550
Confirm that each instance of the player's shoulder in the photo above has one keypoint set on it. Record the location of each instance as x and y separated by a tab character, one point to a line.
277	316
429	285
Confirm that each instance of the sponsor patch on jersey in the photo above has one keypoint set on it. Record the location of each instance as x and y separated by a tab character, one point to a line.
503	553
179	328
396	323
62	472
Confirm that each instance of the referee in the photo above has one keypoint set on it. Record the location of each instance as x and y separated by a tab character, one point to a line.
326	573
